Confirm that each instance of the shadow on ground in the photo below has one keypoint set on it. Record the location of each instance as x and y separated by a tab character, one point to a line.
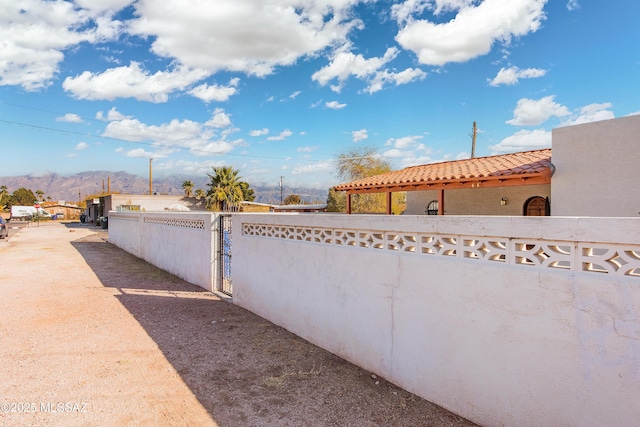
247	371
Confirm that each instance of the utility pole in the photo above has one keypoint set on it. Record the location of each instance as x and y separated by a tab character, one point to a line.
281	190
473	141
150	176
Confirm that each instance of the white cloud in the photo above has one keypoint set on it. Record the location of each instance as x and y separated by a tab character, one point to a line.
70	118
307	149
334	105
283	135
523	140
471	33
220	119
259	132
322	167
112	115
218	93
252	36
295	94
511	75
408	149
82	146
345	64
131	82
35	34
200	139
359	135
530	112
573	5
592	113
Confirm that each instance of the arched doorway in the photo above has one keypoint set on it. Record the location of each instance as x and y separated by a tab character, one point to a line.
536	206
432	208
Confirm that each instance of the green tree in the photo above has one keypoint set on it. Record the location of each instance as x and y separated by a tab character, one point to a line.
226	189
187	186
22	197
200	193
336	201
358	163
4	196
247	193
292	199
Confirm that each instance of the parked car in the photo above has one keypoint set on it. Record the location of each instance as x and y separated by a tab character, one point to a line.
4	229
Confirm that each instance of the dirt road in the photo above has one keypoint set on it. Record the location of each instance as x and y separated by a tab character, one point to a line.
92	336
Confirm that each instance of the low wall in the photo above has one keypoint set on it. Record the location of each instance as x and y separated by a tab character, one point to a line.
183	244
503	320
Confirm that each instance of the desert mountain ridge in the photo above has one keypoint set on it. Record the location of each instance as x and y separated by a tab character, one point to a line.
72	188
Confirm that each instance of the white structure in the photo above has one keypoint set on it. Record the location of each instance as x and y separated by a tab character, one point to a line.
597	169
184	244
515	321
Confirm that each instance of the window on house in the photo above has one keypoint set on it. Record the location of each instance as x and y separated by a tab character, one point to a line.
432	208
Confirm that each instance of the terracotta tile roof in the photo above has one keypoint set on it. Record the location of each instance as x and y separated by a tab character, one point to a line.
505	166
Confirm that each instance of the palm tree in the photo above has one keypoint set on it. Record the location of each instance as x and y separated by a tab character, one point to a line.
40	194
225	188
200	193
187	186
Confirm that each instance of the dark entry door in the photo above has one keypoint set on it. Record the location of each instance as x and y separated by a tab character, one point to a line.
536	206
225	284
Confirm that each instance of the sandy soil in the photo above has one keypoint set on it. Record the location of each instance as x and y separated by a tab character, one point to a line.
92	336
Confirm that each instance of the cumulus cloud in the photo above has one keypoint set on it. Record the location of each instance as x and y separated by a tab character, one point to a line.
82	146
530	112
112	115
591	113
131	82
69	118
471	33
259	132
523	140
219	119
201	139
35	34
345	64
334	105
215	92
252	36
359	135
283	135
510	76
409	150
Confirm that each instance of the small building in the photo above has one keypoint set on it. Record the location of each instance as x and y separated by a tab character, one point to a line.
509	184
62	210
140	202
593	172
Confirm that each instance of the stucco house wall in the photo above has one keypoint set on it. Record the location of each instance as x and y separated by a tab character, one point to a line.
477	201
151	202
597	171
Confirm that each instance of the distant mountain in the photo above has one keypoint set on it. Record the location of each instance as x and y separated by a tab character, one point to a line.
71	188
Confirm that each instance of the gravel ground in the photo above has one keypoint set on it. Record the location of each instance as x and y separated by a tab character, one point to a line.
92	336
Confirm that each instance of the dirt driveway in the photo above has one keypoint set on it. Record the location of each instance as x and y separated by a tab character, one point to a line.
92	336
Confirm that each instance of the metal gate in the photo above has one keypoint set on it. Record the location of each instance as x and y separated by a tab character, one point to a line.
225	284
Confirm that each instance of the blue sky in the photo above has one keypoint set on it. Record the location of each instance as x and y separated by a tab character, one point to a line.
281	87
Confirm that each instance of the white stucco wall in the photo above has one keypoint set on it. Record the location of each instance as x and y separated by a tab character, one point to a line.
477	201
183	244
499	343
597	171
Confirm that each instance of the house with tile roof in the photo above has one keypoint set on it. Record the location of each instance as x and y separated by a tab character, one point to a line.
594	168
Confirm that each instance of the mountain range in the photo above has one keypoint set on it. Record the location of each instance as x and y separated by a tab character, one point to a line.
76	187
